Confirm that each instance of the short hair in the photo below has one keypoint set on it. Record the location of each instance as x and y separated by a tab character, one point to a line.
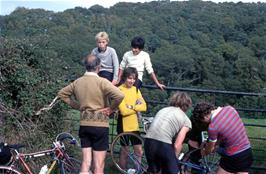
181	100
102	35
128	72
91	62
201	110
138	42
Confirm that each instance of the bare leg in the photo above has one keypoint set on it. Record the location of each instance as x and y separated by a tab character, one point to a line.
124	150
86	160
98	161
220	170
138	151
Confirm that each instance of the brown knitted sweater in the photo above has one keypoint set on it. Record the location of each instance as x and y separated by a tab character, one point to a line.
89	94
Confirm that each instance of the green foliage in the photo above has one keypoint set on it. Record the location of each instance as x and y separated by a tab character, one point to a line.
192	44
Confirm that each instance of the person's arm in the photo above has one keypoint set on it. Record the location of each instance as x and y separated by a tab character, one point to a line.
65	95
212	139
113	93
209	148
126	109
122	66
148	67
154	78
120	75
115	66
140	105
179	139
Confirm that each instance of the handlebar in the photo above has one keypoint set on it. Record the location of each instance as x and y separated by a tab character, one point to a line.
66	136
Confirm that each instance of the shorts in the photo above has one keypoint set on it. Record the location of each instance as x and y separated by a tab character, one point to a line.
94	137
128	139
107	75
240	162
160	156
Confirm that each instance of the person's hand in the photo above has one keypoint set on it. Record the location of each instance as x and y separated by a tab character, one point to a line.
138	102
161	86
130	106
114	82
106	111
203	152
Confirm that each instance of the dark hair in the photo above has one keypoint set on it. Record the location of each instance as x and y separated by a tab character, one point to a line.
181	100
138	42
201	110
128	72
91	62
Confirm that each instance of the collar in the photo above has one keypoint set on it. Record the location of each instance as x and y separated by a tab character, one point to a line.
215	112
91	74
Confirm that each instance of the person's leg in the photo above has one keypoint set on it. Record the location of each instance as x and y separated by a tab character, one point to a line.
98	161
168	159
99	148
85	141
151	148
107	75
124	150
138	151
220	170
86	160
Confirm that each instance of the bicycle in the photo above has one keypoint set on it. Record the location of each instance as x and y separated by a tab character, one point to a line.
207	165
66	163
136	164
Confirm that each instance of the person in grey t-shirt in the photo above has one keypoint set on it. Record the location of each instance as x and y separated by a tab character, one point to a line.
109	60
166	134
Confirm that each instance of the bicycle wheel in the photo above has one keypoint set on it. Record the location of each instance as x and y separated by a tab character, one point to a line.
211	162
190	163
122	151
205	165
70	166
8	170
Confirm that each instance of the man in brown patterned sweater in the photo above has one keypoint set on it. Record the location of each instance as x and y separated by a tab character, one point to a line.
91	94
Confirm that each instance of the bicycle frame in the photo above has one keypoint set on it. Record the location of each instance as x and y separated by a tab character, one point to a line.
57	154
140	167
199	168
57	151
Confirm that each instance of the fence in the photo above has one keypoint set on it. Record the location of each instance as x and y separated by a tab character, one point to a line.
251	107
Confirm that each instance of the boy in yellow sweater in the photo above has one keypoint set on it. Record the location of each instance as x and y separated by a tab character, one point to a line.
130	105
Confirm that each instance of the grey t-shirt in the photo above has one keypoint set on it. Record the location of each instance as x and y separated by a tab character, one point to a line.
167	123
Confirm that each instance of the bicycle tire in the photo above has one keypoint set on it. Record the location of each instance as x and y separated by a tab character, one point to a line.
207	165
132	162
70	166
186	166
8	170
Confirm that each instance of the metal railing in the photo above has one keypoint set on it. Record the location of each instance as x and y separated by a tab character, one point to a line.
247	109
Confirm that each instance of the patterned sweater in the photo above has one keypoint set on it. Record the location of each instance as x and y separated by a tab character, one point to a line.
91	93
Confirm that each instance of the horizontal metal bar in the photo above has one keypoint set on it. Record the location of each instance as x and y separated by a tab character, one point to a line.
239	109
255	125
207	91
258	168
